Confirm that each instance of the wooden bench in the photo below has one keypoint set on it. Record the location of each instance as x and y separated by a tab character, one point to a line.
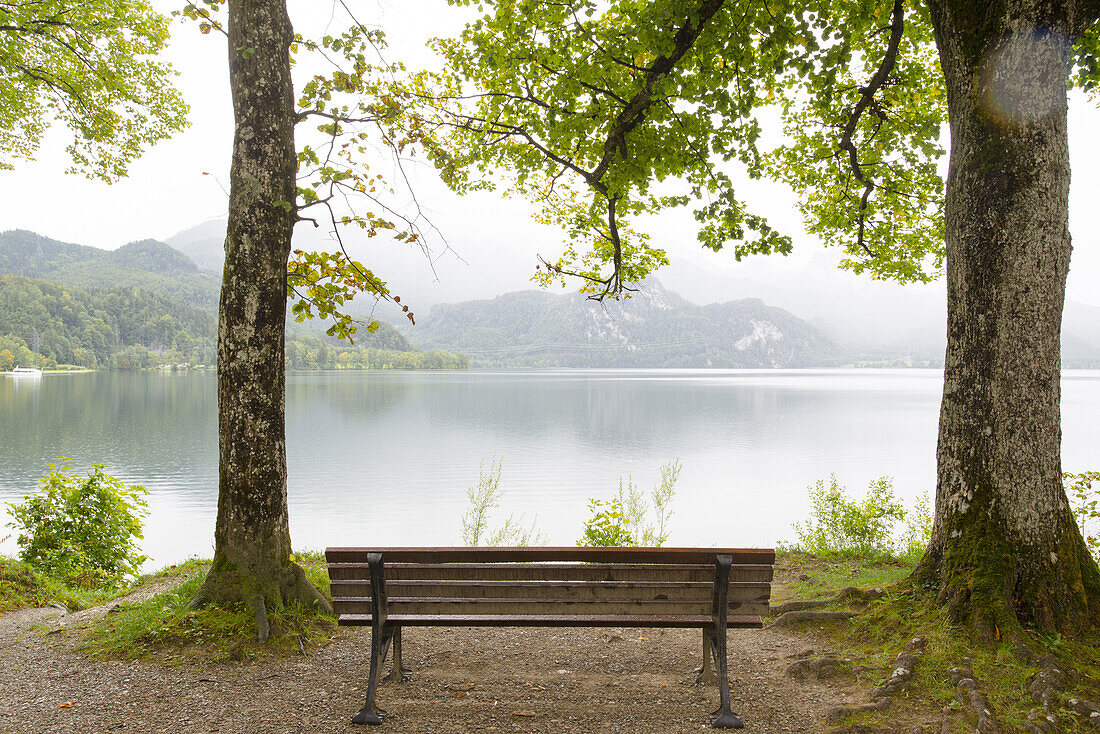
707	588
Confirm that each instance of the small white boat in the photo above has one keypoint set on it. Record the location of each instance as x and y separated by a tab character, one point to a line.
26	372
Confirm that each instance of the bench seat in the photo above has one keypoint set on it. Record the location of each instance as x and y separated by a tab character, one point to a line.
552	620
711	589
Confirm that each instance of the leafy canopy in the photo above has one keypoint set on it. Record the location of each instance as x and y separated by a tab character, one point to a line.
94	67
600	111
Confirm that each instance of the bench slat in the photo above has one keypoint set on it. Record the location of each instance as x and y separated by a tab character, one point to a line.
462	554
697	572
553	620
573	590
514	607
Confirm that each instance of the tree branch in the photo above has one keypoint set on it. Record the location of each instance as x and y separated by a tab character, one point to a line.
634	112
867	95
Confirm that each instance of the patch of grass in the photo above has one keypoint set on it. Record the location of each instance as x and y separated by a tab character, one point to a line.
163	627
882	629
801	575
183	569
23	587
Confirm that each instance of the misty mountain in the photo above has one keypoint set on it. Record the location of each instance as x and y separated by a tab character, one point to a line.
654	328
204	243
149	265
871	321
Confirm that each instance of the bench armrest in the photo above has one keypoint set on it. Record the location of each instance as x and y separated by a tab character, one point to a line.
378	588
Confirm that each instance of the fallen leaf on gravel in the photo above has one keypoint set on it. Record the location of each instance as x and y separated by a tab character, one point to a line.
461	686
66	705
524	713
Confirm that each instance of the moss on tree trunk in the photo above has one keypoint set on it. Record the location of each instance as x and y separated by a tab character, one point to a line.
1005	548
252	554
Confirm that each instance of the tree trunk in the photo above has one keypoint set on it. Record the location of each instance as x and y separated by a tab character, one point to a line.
1005	548
252	555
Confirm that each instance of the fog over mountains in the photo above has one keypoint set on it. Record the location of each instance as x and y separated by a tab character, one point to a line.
654	328
854	320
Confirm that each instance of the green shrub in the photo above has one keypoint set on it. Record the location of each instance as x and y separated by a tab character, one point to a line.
607	526
918	530
1082	492
624	519
481	500
840	526
83	529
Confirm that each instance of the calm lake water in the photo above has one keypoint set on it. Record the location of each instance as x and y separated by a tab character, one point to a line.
386	458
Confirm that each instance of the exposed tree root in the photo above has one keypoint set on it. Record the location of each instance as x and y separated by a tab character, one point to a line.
883	695
790	619
1047	687
792	612
261	593
970	695
797	606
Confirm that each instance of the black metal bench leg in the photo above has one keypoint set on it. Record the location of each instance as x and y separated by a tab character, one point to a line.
705	672
381	635
724	718
398	673
379	648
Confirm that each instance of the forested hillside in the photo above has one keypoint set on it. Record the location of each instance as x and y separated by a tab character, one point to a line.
146	304
98	327
150	265
654	328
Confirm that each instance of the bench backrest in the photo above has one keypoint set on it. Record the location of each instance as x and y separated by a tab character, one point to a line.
565	586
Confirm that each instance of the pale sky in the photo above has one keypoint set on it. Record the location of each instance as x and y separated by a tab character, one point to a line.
182	182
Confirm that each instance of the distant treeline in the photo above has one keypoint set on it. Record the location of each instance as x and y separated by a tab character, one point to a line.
43	324
311	353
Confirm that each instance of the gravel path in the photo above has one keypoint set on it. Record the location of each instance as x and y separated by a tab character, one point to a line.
464	680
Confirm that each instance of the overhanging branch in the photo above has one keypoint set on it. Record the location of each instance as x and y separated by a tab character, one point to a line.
634	112
867	100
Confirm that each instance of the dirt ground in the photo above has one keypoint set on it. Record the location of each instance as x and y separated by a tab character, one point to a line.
464	680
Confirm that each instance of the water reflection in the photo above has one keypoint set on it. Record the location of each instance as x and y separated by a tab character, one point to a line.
387	457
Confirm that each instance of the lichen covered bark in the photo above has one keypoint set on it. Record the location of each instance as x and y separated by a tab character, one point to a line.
252	555
1005	549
